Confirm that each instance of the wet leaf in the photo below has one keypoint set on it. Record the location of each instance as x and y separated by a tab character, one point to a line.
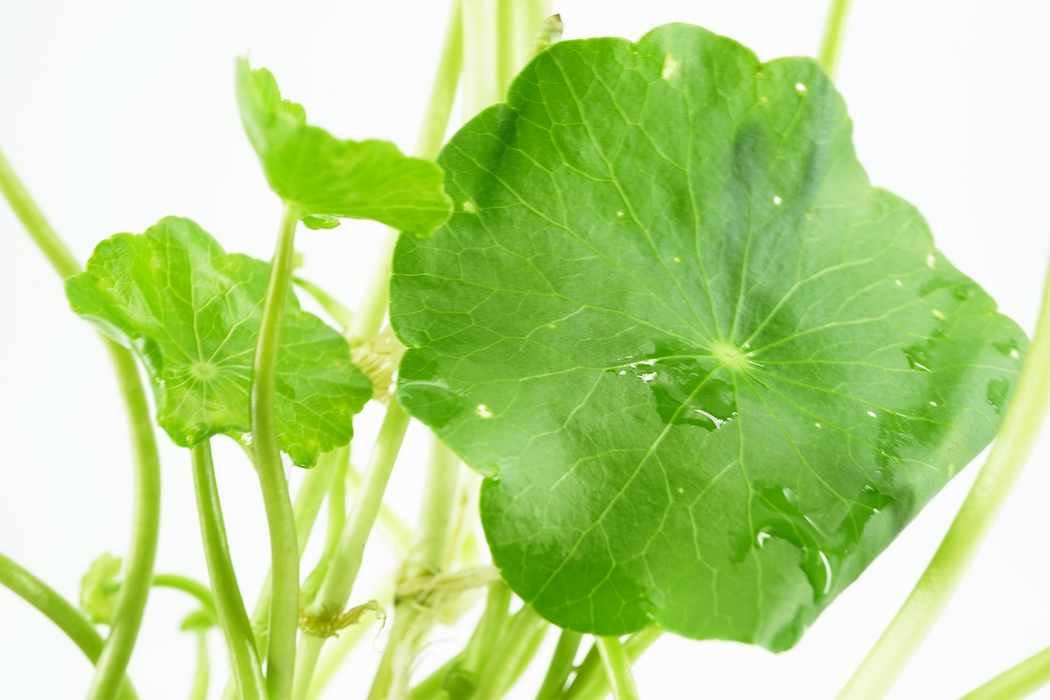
709	371
329	179
191	313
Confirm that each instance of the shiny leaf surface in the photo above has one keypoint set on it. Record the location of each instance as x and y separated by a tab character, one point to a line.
709	371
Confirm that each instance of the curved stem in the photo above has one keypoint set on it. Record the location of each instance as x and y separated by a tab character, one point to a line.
346	561
920	612
57	609
1018	682
199	691
342	315
187	585
834	34
617	668
228	603
145	530
591	681
284	545
560	666
39	229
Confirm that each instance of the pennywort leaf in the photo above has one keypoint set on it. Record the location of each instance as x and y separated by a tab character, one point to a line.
327	179
99	589
709	371
191	312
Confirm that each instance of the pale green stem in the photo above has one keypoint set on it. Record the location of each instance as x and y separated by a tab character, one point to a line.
426	558
529	654
617	668
342	315
145	529
490	630
346	562
336	518
199	691
433	686
1020	681
187	585
397	534
284	546
518	22
481	78
561	665
591	682
1024	416
834	34
369	317
233	619
57	609
514	644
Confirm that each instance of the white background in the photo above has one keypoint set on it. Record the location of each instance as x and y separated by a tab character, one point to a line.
118	113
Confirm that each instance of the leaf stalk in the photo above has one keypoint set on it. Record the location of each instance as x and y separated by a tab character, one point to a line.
284	545
834	36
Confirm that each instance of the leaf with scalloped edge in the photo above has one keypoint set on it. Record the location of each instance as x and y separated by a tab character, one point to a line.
709	371
327	179
191	313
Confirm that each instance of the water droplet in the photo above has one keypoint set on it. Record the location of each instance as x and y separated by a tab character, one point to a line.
762	537
469	207
939	315
483	411
670	66
800	87
689	390
930	260
681	490
872	414
1008	348
899	283
818	425
552	325
1014	354
677	259
917	358
933	403
996	391
619	213
827	572
777	200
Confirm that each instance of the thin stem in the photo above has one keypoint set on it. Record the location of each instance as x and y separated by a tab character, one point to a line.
481	79
187	585
346	561
336	518
145	530
199	691
834	34
57	609
397	534
43	235
342	315
1018	682
412	623
519	21
489	631
233	620
895	648
617	668
561	665
138	572
369	317
284	545
502	667
591	681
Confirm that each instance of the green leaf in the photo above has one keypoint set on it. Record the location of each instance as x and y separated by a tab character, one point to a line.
709	371
191	313
327	179
99	589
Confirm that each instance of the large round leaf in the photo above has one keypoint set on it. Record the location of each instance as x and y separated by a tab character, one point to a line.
709	371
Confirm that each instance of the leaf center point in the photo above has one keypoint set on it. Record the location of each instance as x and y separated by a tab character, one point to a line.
729	355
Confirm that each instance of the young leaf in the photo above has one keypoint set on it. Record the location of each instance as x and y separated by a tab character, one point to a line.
710	372
327	179
191	313
99	589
